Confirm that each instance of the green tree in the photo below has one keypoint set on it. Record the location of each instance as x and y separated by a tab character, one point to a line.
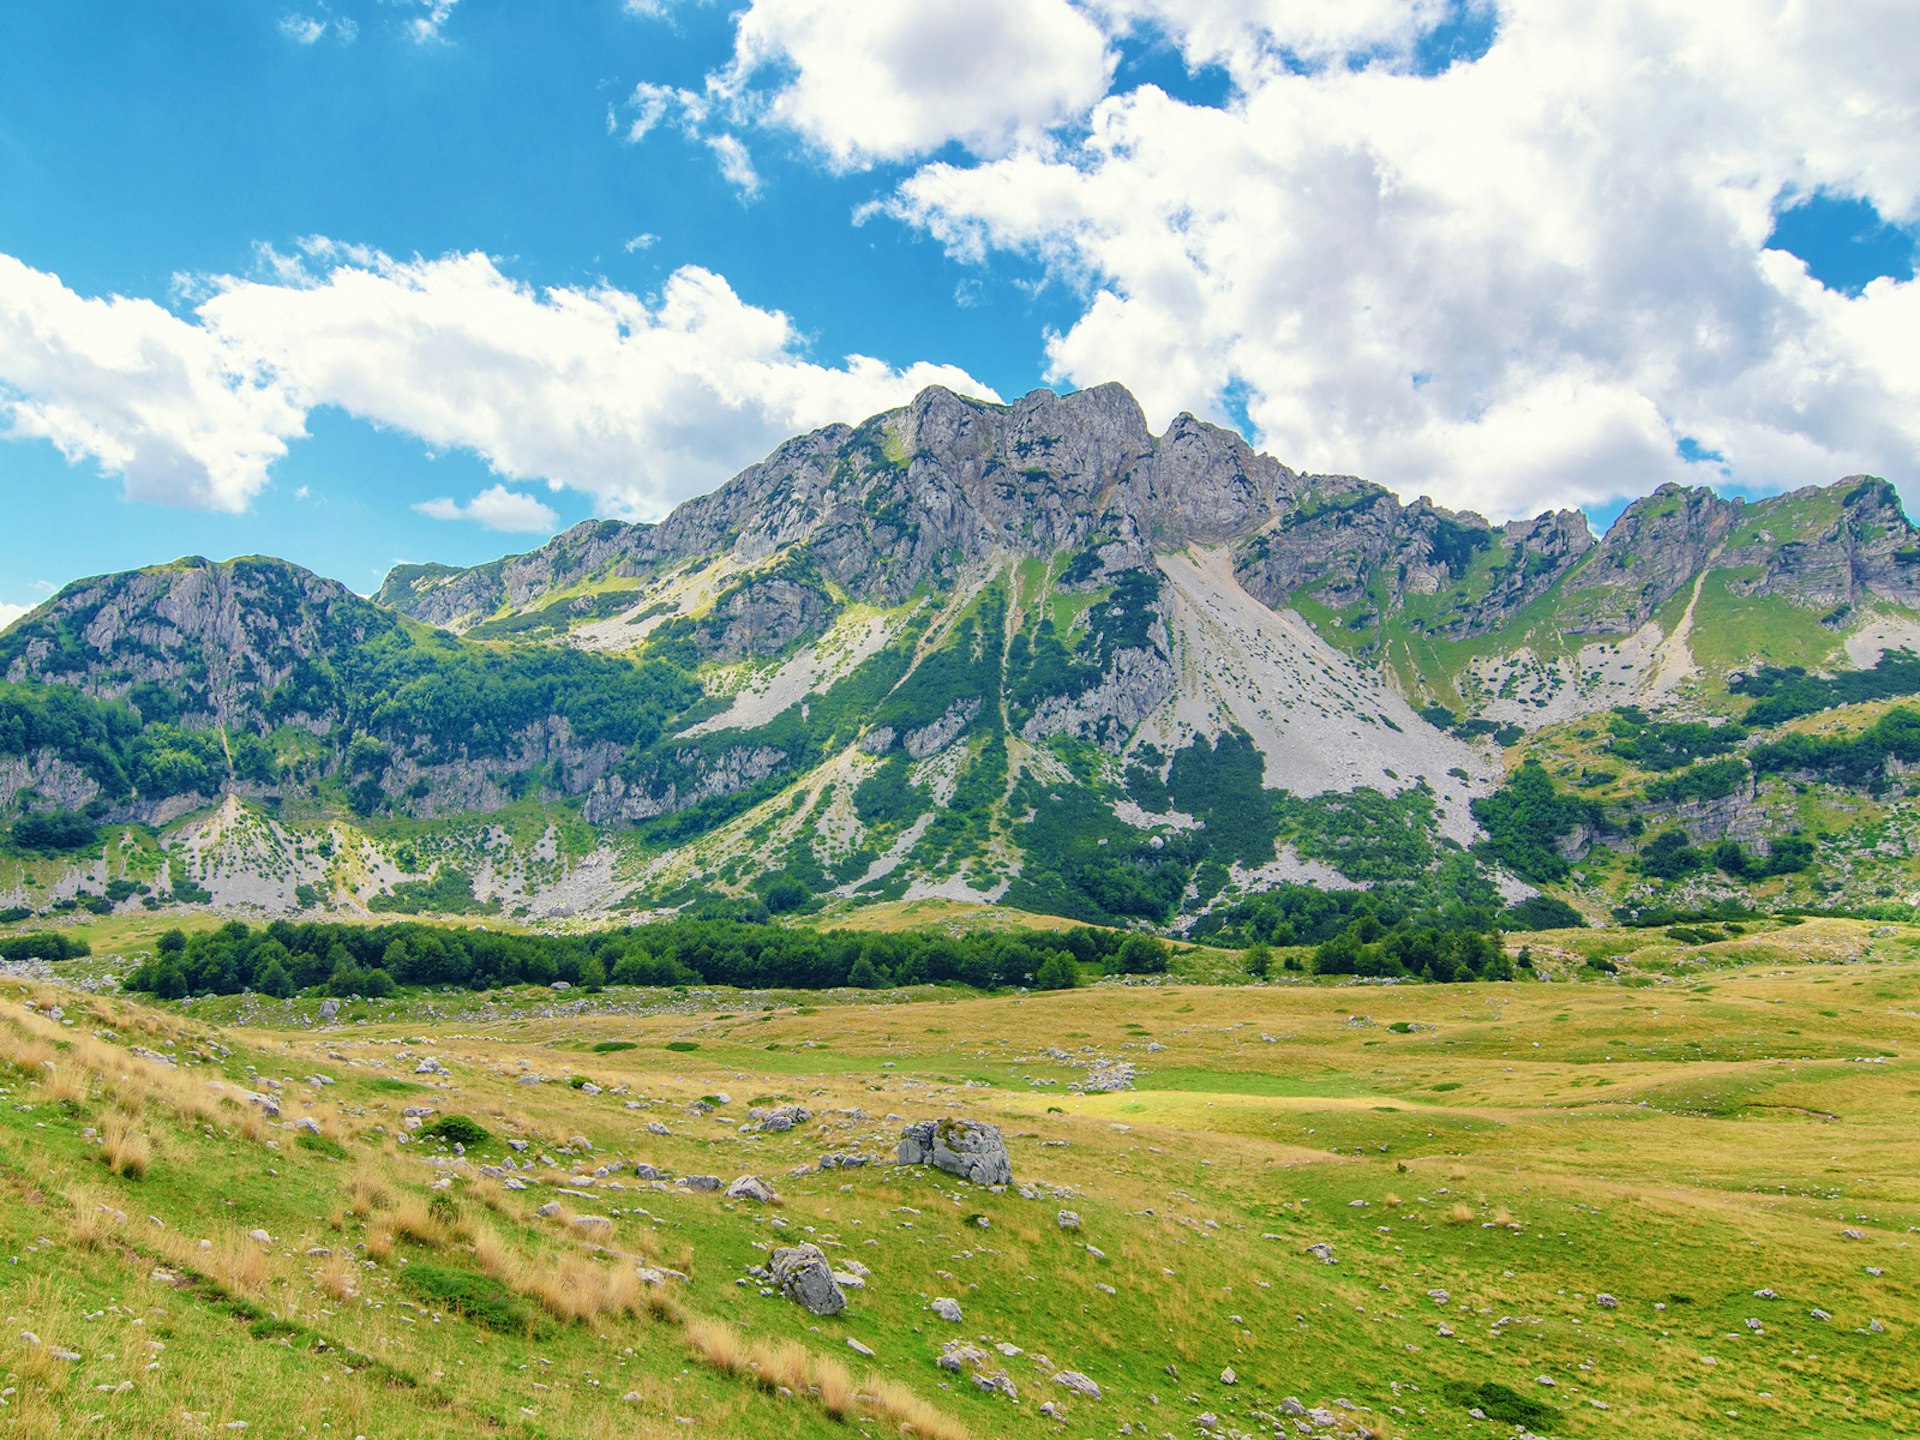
1259	959
593	975
1057	972
863	975
1142	955
272	979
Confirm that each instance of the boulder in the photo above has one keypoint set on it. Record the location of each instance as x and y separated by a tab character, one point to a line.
969	1149
802	1274
752	1187
947	1308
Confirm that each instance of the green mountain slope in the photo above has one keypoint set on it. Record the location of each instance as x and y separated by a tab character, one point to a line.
1029	653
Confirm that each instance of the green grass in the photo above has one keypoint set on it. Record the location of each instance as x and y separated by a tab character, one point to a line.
1521	1147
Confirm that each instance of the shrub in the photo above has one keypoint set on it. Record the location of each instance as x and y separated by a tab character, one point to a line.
457	1130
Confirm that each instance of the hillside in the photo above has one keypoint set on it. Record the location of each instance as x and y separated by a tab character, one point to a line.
1606	1206
1032	654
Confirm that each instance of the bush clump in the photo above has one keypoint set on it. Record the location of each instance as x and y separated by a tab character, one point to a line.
457	1130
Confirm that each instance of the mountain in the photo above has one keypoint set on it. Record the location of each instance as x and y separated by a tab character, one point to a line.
1029	652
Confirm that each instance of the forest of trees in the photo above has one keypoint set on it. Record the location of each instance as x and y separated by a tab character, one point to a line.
286	957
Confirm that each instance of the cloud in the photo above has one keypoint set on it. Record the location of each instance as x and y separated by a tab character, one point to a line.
311	29
425	28
10	613
1254	39
639	402
303	29
878	82
1513	284
646	240
167	405
497	508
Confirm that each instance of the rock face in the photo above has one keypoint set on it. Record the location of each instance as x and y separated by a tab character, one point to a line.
969	1149
752	1187
802	1274
912	496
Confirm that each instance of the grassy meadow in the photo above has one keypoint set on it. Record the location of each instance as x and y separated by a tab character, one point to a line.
1677	1200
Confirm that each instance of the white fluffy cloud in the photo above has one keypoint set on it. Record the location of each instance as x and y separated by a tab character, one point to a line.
10	613
638	401
882	81
497	508
183	417
1516	283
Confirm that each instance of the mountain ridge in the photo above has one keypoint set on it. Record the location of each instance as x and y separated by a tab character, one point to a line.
1029	651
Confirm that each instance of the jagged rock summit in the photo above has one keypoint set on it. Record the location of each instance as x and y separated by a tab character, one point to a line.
1031	652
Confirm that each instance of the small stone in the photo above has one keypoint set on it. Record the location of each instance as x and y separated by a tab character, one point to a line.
947	1309
1227	1377
1069	1220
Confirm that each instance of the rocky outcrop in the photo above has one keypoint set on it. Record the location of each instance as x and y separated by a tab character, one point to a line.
912	497
802	1274
1136	683
680	782
970	1149
1657	546
1349	543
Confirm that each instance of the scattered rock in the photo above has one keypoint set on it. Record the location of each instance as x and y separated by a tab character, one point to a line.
752	1187
969	1149
1069	1220
1078	1383
802	1274
946	1308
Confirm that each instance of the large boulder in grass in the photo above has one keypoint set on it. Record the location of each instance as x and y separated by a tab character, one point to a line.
803	1275
970	1149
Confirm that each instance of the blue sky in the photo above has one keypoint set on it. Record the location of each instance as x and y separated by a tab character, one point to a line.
429	279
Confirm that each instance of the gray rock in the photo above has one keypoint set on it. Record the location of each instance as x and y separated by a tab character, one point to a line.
958	1355
802	1274
329	1009
969	1149
1069	1220
946	1308
1078	1383
752	1187
706	1183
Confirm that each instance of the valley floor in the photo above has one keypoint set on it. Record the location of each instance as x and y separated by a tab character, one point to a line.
1680	1210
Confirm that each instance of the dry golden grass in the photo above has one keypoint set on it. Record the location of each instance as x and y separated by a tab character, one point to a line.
365	1192
907	1412
412	1218
125	1147
717	1344
380	1243
64	1084
239	1264
791	1367
1461	1213
338	1277
23	1050
94	1221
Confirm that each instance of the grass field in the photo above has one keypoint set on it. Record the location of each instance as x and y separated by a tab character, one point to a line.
1485	1162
